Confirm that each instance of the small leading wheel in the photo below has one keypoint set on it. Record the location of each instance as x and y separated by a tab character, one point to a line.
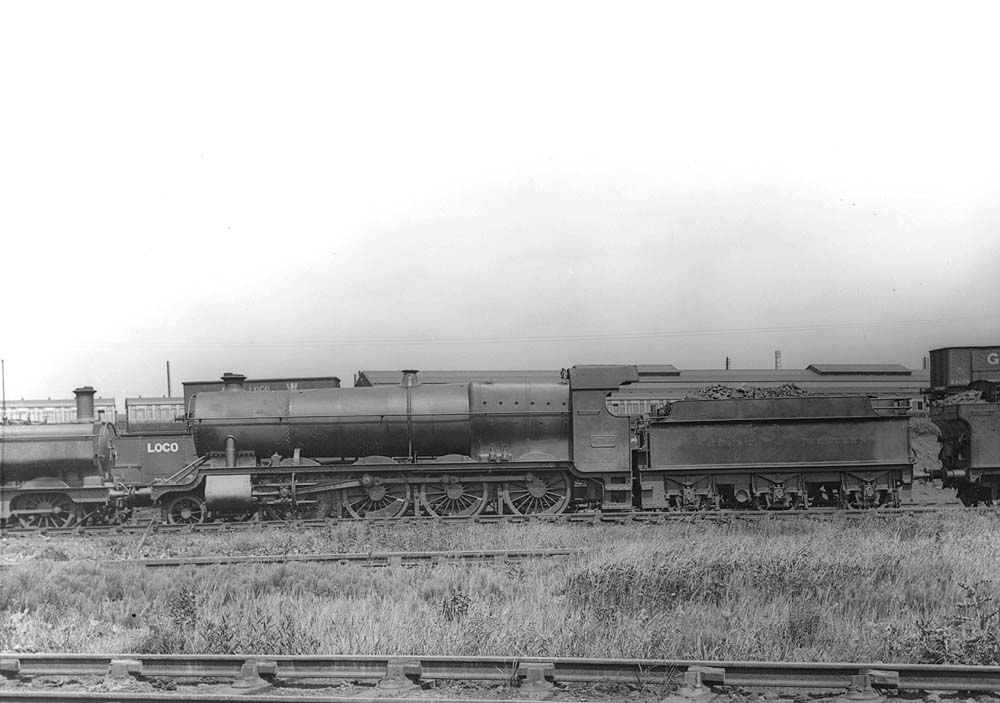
453	497
376	497
545	494
186	510
53	510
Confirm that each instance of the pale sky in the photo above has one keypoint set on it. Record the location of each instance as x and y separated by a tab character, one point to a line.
307	189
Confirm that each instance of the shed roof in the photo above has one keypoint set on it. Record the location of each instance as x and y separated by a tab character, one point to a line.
153	401
248	381
860	369
393	378
657	370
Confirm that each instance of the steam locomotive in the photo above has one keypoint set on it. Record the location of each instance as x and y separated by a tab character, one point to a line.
528	447
58	475
525	448
966	384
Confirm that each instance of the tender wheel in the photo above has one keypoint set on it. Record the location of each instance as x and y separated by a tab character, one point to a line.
376	498
186	510
545	494
453	497
60	510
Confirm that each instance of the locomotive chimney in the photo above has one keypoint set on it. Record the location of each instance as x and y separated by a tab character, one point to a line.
85	404
410	378
232	381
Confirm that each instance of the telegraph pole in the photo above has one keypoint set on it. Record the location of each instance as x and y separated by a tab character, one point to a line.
3	421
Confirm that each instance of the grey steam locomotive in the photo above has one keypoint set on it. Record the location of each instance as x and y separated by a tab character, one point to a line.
525	448
57	475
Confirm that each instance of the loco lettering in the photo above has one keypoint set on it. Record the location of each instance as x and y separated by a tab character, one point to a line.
161	447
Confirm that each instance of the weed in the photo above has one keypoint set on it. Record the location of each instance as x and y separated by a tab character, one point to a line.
182	612
53	553
455	605
968	635
803	625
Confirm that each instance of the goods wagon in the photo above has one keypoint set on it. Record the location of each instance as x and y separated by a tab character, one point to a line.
955	369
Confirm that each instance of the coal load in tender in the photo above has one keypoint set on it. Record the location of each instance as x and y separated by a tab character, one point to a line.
722	392
963	398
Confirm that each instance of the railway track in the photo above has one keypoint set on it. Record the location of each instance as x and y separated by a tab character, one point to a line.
241	674
370	559
648	517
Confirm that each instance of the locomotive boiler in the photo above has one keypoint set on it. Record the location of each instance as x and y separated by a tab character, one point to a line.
53	475
480	421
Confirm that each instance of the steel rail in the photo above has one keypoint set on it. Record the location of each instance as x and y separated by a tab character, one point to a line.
507	669
41	696
649	517
370	559
367	558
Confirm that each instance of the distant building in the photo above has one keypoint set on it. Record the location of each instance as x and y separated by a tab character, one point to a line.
56	410
154	414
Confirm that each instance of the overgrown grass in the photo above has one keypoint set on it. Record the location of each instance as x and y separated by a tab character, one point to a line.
348	537
903	589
